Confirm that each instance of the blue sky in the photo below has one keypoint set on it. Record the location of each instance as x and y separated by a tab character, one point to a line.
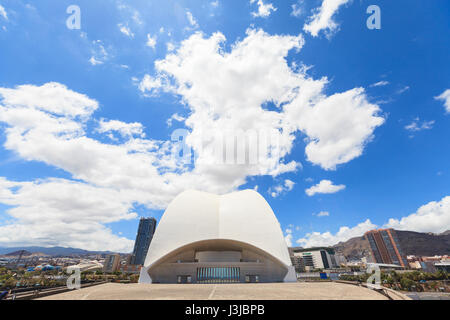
362	115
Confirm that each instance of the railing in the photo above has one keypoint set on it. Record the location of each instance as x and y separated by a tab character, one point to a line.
34	293
389	293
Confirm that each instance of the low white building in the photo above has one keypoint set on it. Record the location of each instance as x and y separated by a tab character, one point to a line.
316	258
89	266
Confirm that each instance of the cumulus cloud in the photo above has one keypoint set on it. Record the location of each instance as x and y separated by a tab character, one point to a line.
317	239
445	97
58	212
124	129
279	189
338	127
47	124
324	186
264	9
150	84
225	93
432	217
51	97
323	17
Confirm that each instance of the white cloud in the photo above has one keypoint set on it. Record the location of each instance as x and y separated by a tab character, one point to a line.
380	84
317	239
297	9
323	17
175	117
124	129
289	184
264	10
47	124
403	90
58	212
125	29
338	127
170	47
150	84
223	92
132	14
415	125
99	53
322	214
288	237
51	97
279	189
211	82
94	61
432	217
3	12
445	96
325	186
151	41
192	21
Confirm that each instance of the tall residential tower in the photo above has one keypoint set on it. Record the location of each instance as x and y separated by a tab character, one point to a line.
385	247
144	236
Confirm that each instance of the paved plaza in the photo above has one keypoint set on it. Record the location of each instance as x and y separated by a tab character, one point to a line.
261	291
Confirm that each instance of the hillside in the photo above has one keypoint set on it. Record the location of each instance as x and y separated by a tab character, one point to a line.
353	249
18	253
412	243
424	244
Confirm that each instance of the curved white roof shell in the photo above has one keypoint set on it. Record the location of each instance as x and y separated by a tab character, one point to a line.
195	216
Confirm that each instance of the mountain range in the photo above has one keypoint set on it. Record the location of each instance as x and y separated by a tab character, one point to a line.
412	243
51	251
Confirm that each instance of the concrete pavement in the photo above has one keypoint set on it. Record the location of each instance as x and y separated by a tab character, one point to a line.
261	291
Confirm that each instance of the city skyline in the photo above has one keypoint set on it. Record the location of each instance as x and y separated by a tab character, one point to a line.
88	116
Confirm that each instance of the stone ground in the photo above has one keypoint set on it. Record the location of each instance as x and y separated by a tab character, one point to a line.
260	291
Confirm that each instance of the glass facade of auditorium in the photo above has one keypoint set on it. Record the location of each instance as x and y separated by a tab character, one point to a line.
218	275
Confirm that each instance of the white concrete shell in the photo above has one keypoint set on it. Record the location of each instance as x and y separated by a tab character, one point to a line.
195	217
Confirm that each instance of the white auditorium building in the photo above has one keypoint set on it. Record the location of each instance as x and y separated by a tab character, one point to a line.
206	238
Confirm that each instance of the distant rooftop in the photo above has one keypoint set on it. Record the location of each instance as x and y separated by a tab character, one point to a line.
300	249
